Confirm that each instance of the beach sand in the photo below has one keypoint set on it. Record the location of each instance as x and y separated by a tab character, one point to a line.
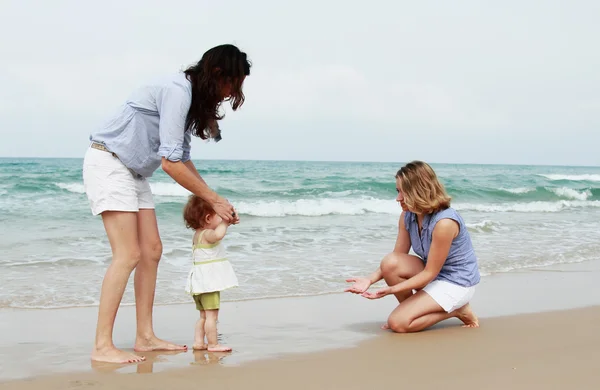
334	342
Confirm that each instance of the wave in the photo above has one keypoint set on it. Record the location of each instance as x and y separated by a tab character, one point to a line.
485	226
529	207
76	188
316	207
570	193
177	191
353	203
60	261
322	207
15	163
158	189
560	177
540	193
543	193
169	189
267	191
519	190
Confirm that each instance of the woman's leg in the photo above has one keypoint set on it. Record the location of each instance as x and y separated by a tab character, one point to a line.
420	311
145	284
121	229
397	267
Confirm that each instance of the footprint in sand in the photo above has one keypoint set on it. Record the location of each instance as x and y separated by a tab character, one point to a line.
77	384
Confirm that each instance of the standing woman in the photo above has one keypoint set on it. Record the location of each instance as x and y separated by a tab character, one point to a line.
153	129
445	271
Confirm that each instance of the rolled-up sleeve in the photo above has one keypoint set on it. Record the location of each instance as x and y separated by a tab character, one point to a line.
173	103
187	147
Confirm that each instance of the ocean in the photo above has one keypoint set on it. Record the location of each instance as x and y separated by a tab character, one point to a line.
305	226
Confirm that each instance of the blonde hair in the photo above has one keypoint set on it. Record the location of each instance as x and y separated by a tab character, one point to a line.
423	193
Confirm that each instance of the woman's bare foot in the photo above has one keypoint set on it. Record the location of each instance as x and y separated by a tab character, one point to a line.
114	355
219	348
466	315
199	347
155	344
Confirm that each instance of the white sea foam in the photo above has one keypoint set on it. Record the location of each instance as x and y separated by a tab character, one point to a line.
570	193
169	189
320	207
529	207
485	226
76	188
520	190
316	207
583	177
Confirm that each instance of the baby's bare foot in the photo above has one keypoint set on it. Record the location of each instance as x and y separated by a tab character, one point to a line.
385	326
114	355
466	315
199	346
218	348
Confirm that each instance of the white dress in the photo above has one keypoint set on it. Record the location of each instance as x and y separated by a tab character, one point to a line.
211	271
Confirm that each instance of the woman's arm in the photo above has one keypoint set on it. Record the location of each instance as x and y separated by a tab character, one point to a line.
190	165
403	240
444	232
172	104
181	173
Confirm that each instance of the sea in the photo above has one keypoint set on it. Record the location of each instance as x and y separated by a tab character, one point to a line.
305	226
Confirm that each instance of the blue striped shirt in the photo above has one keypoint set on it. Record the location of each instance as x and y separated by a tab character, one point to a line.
461	266
150	125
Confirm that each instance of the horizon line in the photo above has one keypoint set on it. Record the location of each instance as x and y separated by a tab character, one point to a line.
334	161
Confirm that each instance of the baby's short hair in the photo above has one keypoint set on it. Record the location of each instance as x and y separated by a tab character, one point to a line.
195	212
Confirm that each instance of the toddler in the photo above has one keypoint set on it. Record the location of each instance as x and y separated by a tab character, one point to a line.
211	272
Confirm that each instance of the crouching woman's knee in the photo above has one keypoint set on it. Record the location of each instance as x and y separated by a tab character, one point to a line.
388	264
399	325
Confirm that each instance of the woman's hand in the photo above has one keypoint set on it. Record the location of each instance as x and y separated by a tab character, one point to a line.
225	210
377	294
188	177
360	285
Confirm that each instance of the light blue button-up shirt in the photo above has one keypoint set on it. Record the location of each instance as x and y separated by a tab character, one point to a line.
150	125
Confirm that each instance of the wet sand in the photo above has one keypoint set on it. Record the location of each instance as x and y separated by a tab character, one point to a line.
333	341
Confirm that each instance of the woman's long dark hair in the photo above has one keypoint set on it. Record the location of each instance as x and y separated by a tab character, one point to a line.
221	65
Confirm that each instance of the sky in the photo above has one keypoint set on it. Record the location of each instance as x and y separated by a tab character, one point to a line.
509	82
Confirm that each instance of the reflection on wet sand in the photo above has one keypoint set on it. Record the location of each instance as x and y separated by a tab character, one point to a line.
205	357
145	367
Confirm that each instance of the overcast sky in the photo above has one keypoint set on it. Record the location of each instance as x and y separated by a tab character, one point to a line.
442	81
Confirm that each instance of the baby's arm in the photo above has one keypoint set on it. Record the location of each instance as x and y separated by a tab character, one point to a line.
212	236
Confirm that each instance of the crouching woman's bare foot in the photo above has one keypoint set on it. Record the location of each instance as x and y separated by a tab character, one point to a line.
113	355
466	315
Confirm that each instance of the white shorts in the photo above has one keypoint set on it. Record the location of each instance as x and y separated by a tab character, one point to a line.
448	295
110	186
